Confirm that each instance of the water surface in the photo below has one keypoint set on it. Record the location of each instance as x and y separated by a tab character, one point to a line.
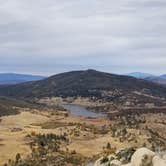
81	111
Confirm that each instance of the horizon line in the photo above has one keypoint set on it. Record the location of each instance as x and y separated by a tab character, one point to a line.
51	74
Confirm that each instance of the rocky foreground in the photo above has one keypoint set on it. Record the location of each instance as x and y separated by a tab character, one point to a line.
141	157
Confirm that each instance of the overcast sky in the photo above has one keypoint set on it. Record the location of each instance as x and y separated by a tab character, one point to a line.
52	36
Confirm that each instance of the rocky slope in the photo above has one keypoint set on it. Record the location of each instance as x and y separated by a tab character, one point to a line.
141	157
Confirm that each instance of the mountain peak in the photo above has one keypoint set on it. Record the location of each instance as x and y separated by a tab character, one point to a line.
91	70
86	83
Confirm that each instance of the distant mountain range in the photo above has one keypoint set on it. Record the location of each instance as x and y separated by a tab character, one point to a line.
89	83
140	75
13	78
149	77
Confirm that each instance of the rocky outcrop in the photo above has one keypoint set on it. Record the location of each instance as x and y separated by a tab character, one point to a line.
158	161
164	157
115	163
141	157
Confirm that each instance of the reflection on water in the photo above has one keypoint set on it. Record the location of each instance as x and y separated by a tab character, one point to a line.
81	111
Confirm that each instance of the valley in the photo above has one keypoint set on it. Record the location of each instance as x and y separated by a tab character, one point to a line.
92	114
88	137
82	83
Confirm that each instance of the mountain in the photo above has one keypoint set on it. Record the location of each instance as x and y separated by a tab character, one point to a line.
149	77
89	83
163	76
158	80
140	75
13	78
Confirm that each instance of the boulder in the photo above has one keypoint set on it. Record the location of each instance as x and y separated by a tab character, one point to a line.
164	157
142	157
129	164
158	161
115	163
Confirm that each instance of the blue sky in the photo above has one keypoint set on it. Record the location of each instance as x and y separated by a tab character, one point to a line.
51	36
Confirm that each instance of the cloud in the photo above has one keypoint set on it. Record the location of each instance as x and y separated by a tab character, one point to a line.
50	36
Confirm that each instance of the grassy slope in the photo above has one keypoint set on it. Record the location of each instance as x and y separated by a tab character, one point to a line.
7	106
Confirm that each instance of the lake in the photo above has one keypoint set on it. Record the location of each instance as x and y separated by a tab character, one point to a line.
81	111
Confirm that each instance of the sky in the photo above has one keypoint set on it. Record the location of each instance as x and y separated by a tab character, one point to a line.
52	36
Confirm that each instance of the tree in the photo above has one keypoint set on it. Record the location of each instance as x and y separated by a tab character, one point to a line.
108	146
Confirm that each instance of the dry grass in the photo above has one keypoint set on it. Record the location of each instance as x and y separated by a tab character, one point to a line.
81	133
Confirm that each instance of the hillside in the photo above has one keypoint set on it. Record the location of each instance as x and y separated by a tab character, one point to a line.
89	83
149	77
13	78
31	125
158	80
163	76
140	75
9	106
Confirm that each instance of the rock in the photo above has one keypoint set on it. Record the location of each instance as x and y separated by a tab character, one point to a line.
124	155
103	161
164	157
129	164
111	157
115	163
107	161
97	163
142	157
90	164
158	161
